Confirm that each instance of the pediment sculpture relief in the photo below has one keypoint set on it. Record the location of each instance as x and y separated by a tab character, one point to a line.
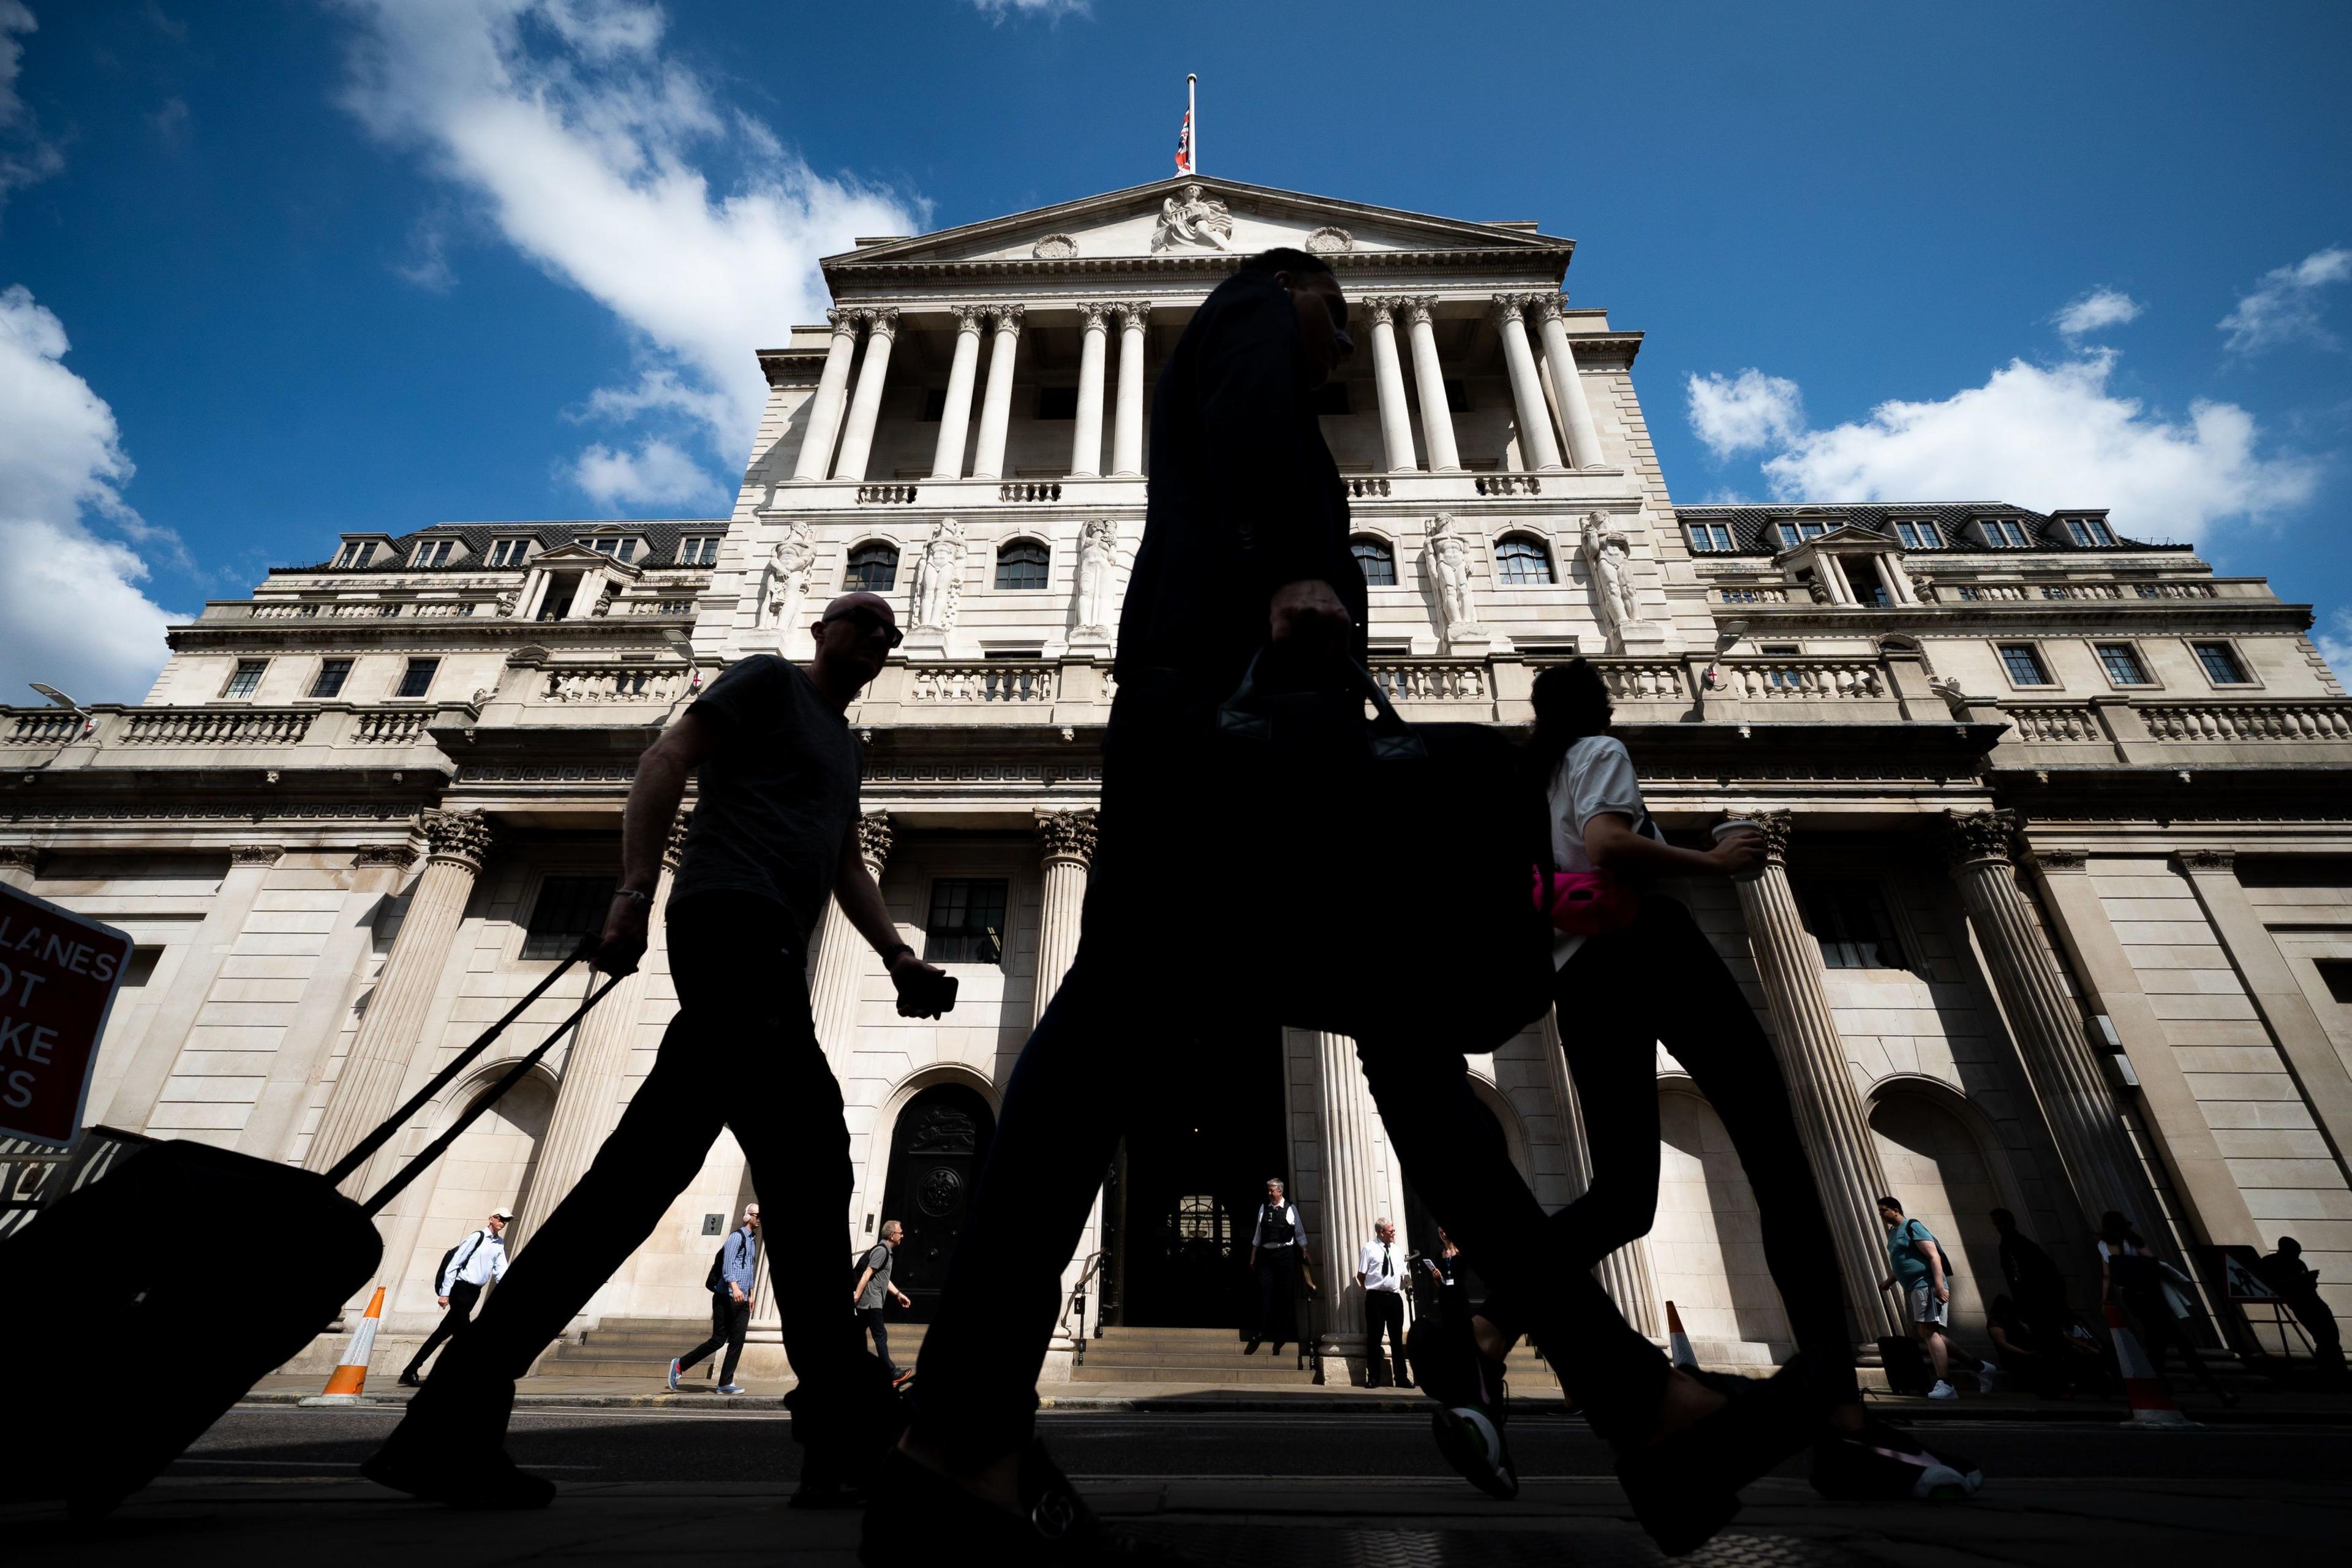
1192	217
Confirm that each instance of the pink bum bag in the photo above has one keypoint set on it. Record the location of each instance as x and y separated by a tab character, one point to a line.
1585	903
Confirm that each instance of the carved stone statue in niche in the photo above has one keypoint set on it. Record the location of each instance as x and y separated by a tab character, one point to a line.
1609	557
1449	569
784	582
938	576
1098	554
1191	216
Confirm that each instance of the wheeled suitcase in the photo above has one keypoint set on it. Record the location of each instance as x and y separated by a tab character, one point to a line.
1906	1362
134	1312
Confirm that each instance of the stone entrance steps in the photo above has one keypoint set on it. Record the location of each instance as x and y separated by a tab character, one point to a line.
642	1348
1187	1356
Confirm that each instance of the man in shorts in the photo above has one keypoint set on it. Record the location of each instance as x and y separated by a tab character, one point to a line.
1918	1262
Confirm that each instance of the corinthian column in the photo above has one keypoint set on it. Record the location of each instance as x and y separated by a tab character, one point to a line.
841	952
588	1095
18	862
1626	1273
1068	840
1127	435
457	843
1388	381
1566	386
2059	1062
996	409
866	408
1086	437
1352	1191
1537	447
1821	1084
955	420
1429	383
831	392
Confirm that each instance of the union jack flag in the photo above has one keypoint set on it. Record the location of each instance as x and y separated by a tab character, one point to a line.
1184	146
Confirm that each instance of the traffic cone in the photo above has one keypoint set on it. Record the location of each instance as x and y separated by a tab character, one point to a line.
2151	1400
350	1379
1678	1342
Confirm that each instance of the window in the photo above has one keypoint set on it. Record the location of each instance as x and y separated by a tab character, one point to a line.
935	405
967	923
873	569
624	550
1057	403
328	681
246	677
2001	533
1013	653
2222	665
2121	661
1709	538
1919	535
2023	662
2090	532
1777	649
141	967
699	550
1869	585
1523	561
1375	559
556	603
2335	972
354	554
1332	397
1792	535
509	552
567	908
1021	564
433	552
418	679
1851	922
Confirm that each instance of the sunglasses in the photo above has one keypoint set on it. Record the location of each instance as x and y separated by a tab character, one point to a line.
871	621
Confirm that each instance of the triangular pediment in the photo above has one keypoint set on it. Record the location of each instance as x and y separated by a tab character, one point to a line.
1168	219
572	552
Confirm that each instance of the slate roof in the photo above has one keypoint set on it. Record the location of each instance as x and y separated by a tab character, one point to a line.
1750	523
661	537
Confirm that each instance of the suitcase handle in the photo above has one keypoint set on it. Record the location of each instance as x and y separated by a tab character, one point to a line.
366	1147
473	1113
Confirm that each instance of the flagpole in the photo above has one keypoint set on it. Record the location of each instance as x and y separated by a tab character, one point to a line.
1193	115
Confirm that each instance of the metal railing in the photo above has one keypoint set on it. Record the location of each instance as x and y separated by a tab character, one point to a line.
1076	1306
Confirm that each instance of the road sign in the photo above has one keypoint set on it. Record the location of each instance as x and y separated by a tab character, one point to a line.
58	973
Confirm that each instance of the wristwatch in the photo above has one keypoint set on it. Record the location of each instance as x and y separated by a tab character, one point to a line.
642	896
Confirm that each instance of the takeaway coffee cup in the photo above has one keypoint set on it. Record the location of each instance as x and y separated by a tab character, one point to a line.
1731	824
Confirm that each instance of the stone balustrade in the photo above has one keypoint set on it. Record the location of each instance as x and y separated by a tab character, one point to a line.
43	727
2273	721
214	727
1507	485
387	726
1026	490
611	683
886	495
1430	680
993	680
1751	596
1641	679
1372	489
1798	679
1948	592
2058	724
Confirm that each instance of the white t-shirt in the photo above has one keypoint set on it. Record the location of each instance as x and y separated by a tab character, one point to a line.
1594	776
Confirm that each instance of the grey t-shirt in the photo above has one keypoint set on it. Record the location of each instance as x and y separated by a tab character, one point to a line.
878	1260
779	797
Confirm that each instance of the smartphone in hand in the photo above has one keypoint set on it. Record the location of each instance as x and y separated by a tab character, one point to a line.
927	995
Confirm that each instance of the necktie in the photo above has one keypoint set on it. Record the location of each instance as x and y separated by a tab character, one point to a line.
1386	1270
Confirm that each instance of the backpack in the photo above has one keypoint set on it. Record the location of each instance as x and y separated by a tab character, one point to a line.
443	1272
1914	1236
716	1281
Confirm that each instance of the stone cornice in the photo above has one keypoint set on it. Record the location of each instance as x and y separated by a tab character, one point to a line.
2011	618
455	635
1544	263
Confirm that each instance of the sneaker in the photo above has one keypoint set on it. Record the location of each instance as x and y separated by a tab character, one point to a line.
1943	1391
732	1388
1471	1439
673	1375
1987	1377
901	1380
920	1519
1883	1461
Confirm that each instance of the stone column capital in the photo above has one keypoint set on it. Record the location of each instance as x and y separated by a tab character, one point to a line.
458	838
393	855
1092	313
1976	838
882	322
674	846
1547	307
1381	307
256	854
1135	313
1067	835
1511	307
1420	307
874	836
20	856
970	317
845	322
1777	827
2194	860
1008	318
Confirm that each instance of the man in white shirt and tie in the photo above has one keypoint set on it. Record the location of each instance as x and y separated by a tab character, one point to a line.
473	1263
1380	1269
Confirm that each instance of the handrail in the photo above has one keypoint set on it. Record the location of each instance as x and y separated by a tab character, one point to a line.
1077	1303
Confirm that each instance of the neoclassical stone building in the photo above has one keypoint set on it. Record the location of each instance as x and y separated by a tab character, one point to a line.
2058	915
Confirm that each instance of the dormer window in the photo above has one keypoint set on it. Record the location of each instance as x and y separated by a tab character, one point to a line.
354	554
1921	535
2089	532
699	550
2002	533
1791	534
433	552
1709	538
509	551
621	549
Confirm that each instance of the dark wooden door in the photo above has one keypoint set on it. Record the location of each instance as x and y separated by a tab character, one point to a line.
935	1154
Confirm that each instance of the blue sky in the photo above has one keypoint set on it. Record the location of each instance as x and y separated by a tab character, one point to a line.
274	268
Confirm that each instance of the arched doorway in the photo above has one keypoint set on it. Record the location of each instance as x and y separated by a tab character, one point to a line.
488	1167
937	1151
1704	1251
1939	1174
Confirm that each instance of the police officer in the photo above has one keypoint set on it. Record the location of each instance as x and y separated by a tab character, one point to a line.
1278	1247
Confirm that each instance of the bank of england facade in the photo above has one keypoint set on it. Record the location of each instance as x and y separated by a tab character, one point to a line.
2058	917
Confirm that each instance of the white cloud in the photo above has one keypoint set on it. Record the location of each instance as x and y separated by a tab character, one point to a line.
1053	10
2284	306
2336	643
25	156
2096	310
69	612
657	474
579	137
1745	413
2046	436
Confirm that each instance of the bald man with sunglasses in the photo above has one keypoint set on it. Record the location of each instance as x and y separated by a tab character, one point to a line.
774	834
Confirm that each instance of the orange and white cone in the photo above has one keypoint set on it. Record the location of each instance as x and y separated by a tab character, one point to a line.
350	1379
1678	1345
2151	1400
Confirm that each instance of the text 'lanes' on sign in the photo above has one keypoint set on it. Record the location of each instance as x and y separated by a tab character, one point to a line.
58	974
